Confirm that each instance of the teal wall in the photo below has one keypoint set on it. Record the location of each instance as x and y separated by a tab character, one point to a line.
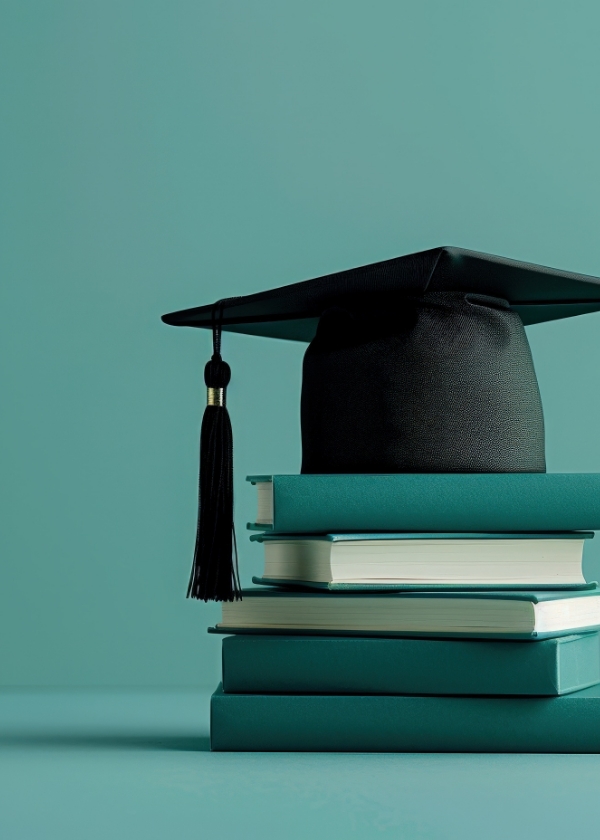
156	156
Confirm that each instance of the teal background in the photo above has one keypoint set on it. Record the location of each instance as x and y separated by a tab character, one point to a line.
155	156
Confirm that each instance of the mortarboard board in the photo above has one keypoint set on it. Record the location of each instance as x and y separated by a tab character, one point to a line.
415	364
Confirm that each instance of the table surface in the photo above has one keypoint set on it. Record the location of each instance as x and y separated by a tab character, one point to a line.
91	764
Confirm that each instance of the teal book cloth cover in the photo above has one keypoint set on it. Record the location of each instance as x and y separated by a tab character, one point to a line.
419	535
533	597
451	502
336	723
312	665
279	583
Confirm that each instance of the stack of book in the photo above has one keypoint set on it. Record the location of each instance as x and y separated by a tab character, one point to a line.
416	613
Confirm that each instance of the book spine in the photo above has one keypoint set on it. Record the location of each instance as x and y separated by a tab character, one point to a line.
288	664
469	503
296	723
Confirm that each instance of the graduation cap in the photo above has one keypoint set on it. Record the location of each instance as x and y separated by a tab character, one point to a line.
414	364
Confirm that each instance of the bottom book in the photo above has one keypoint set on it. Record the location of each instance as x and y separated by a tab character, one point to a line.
339	723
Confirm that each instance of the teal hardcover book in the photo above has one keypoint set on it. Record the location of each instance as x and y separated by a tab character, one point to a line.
500	614
464	502
255	664
408	723
418	561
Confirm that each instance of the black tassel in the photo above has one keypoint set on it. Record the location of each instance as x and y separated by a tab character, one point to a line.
214	574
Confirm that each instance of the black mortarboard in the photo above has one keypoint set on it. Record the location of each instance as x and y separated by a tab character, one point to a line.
415	364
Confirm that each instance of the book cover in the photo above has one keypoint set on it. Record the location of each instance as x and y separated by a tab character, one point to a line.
406	723
280	583
312	665
450	502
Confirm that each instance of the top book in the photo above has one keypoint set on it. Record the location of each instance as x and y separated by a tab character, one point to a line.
427	502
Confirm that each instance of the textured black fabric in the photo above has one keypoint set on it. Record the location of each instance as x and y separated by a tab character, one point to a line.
444	383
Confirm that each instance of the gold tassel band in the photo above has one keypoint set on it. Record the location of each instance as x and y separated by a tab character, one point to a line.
215	396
